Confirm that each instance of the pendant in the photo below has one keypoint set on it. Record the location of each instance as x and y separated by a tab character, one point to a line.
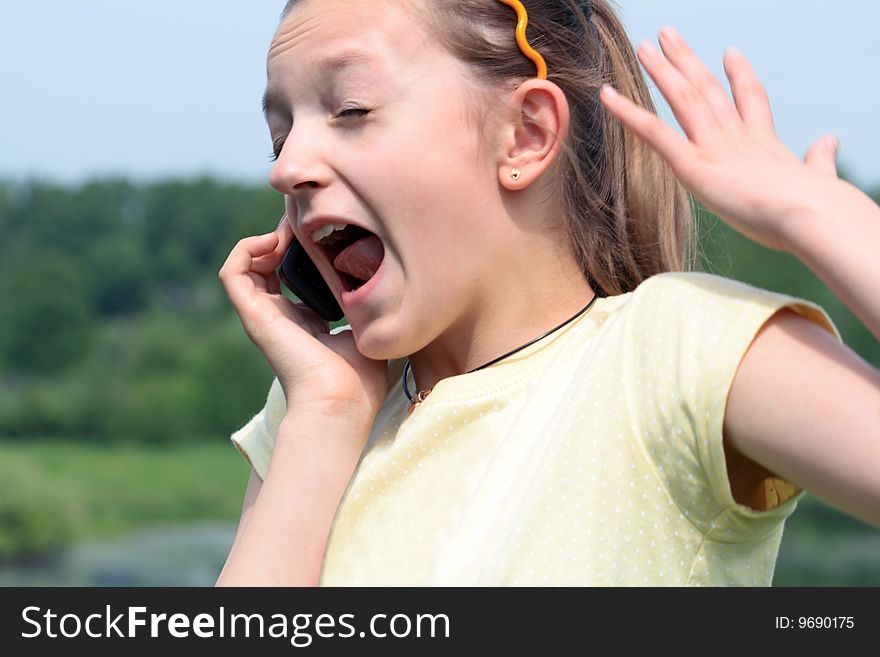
422	396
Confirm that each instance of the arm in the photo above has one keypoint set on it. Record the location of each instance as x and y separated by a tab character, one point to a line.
250	496
286	519
801	404
808	409
836	233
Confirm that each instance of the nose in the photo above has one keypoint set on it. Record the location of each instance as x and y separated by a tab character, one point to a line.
299	167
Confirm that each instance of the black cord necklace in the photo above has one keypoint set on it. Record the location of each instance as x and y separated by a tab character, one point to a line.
423	394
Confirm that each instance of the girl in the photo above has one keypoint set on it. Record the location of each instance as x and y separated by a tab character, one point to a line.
584	410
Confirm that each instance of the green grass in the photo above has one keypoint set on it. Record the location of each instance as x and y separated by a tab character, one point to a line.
102	491
124	487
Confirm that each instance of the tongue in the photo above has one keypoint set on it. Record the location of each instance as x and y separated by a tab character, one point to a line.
362	258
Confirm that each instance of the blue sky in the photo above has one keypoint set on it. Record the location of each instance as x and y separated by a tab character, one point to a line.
155	88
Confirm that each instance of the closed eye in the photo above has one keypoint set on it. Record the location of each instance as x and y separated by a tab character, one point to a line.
347	113
352	112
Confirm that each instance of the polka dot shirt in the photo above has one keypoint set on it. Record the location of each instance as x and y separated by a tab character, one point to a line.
593	457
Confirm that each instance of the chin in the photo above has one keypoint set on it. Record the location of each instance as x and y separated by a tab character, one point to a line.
379	341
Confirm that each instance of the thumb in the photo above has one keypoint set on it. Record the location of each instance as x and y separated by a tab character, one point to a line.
822	154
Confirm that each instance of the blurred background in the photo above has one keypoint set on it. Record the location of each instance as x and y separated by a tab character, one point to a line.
133	156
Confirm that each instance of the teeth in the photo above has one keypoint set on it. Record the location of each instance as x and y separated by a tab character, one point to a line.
326	231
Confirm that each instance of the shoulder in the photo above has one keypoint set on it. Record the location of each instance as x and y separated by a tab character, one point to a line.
687	335
685	287
700	303
673	298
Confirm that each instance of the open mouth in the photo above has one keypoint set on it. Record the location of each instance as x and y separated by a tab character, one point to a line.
349	282
355	254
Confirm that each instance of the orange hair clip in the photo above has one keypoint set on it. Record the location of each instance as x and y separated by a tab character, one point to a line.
521	40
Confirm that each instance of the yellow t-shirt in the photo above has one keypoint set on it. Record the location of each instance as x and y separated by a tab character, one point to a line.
593	457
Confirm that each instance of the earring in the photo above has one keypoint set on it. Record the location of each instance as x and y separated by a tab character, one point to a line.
515	173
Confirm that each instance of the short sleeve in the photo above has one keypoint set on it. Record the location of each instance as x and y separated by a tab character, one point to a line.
256	439
687	334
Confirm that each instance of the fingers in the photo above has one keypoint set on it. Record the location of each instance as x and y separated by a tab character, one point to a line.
749	94
285	239
273	322
650	128
268	263
251	264
822	154
697	75
236	274
697	98
687	103
240	260
261	254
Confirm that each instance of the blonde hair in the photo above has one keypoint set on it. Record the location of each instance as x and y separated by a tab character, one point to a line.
625	214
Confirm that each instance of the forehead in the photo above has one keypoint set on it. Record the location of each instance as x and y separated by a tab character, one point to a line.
329	37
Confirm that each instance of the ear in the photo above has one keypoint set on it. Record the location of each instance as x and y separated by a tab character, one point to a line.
533	133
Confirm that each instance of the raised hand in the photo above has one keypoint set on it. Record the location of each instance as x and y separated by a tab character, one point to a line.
730	157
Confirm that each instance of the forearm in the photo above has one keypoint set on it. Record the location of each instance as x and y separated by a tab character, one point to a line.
283	542
840	243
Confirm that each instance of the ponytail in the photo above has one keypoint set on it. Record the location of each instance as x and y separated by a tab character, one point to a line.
626	215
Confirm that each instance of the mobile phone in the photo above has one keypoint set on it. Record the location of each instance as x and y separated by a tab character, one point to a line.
300	275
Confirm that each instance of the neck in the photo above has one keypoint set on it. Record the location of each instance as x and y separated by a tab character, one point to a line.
533	297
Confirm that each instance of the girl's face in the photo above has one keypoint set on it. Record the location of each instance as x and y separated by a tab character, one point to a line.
370	122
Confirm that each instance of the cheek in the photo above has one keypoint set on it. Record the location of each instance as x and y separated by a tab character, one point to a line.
431	148
429	185
434	219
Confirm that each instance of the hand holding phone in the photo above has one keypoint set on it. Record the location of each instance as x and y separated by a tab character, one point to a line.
300	275
314	368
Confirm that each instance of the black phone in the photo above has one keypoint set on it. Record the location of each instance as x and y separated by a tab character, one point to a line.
300	275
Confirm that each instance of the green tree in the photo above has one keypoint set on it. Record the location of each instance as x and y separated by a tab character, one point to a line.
45	323
116	272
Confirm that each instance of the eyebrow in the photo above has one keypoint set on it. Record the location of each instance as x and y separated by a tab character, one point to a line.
331	65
